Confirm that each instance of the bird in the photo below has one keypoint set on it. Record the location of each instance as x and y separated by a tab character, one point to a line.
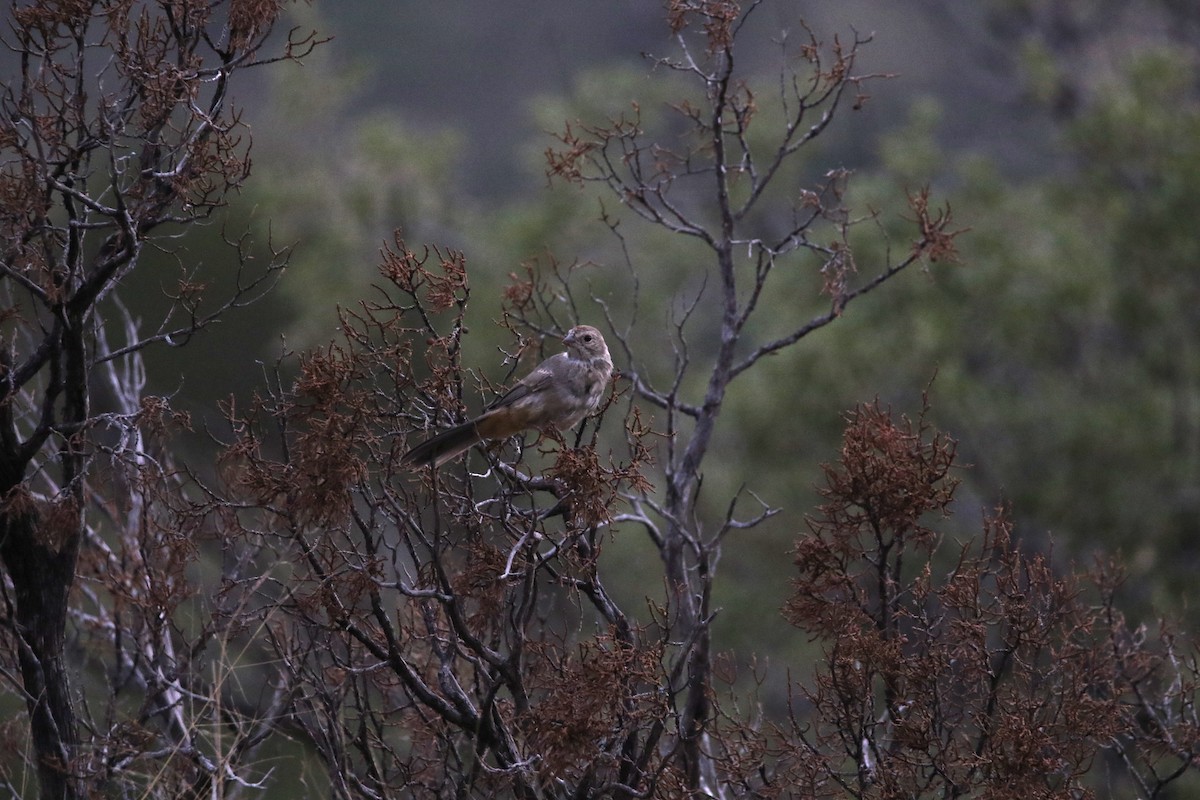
557	394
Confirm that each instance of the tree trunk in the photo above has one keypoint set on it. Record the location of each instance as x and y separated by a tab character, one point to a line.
41	576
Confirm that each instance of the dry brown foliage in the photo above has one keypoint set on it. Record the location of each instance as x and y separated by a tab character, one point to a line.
962	670
115	128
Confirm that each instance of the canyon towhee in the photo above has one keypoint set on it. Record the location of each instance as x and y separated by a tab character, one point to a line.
559	393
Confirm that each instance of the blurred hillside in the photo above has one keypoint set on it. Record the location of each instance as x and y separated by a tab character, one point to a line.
476	67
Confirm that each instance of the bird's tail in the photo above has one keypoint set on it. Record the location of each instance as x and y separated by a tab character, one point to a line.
447	445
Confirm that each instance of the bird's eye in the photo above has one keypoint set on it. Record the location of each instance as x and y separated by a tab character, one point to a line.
587	337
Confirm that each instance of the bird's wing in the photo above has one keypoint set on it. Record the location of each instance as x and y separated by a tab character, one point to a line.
536	381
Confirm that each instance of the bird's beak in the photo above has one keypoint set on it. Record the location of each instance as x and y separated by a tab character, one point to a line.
570	337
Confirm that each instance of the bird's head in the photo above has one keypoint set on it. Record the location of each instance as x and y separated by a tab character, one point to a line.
585	342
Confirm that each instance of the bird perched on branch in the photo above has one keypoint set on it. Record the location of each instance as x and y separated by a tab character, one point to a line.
560	392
